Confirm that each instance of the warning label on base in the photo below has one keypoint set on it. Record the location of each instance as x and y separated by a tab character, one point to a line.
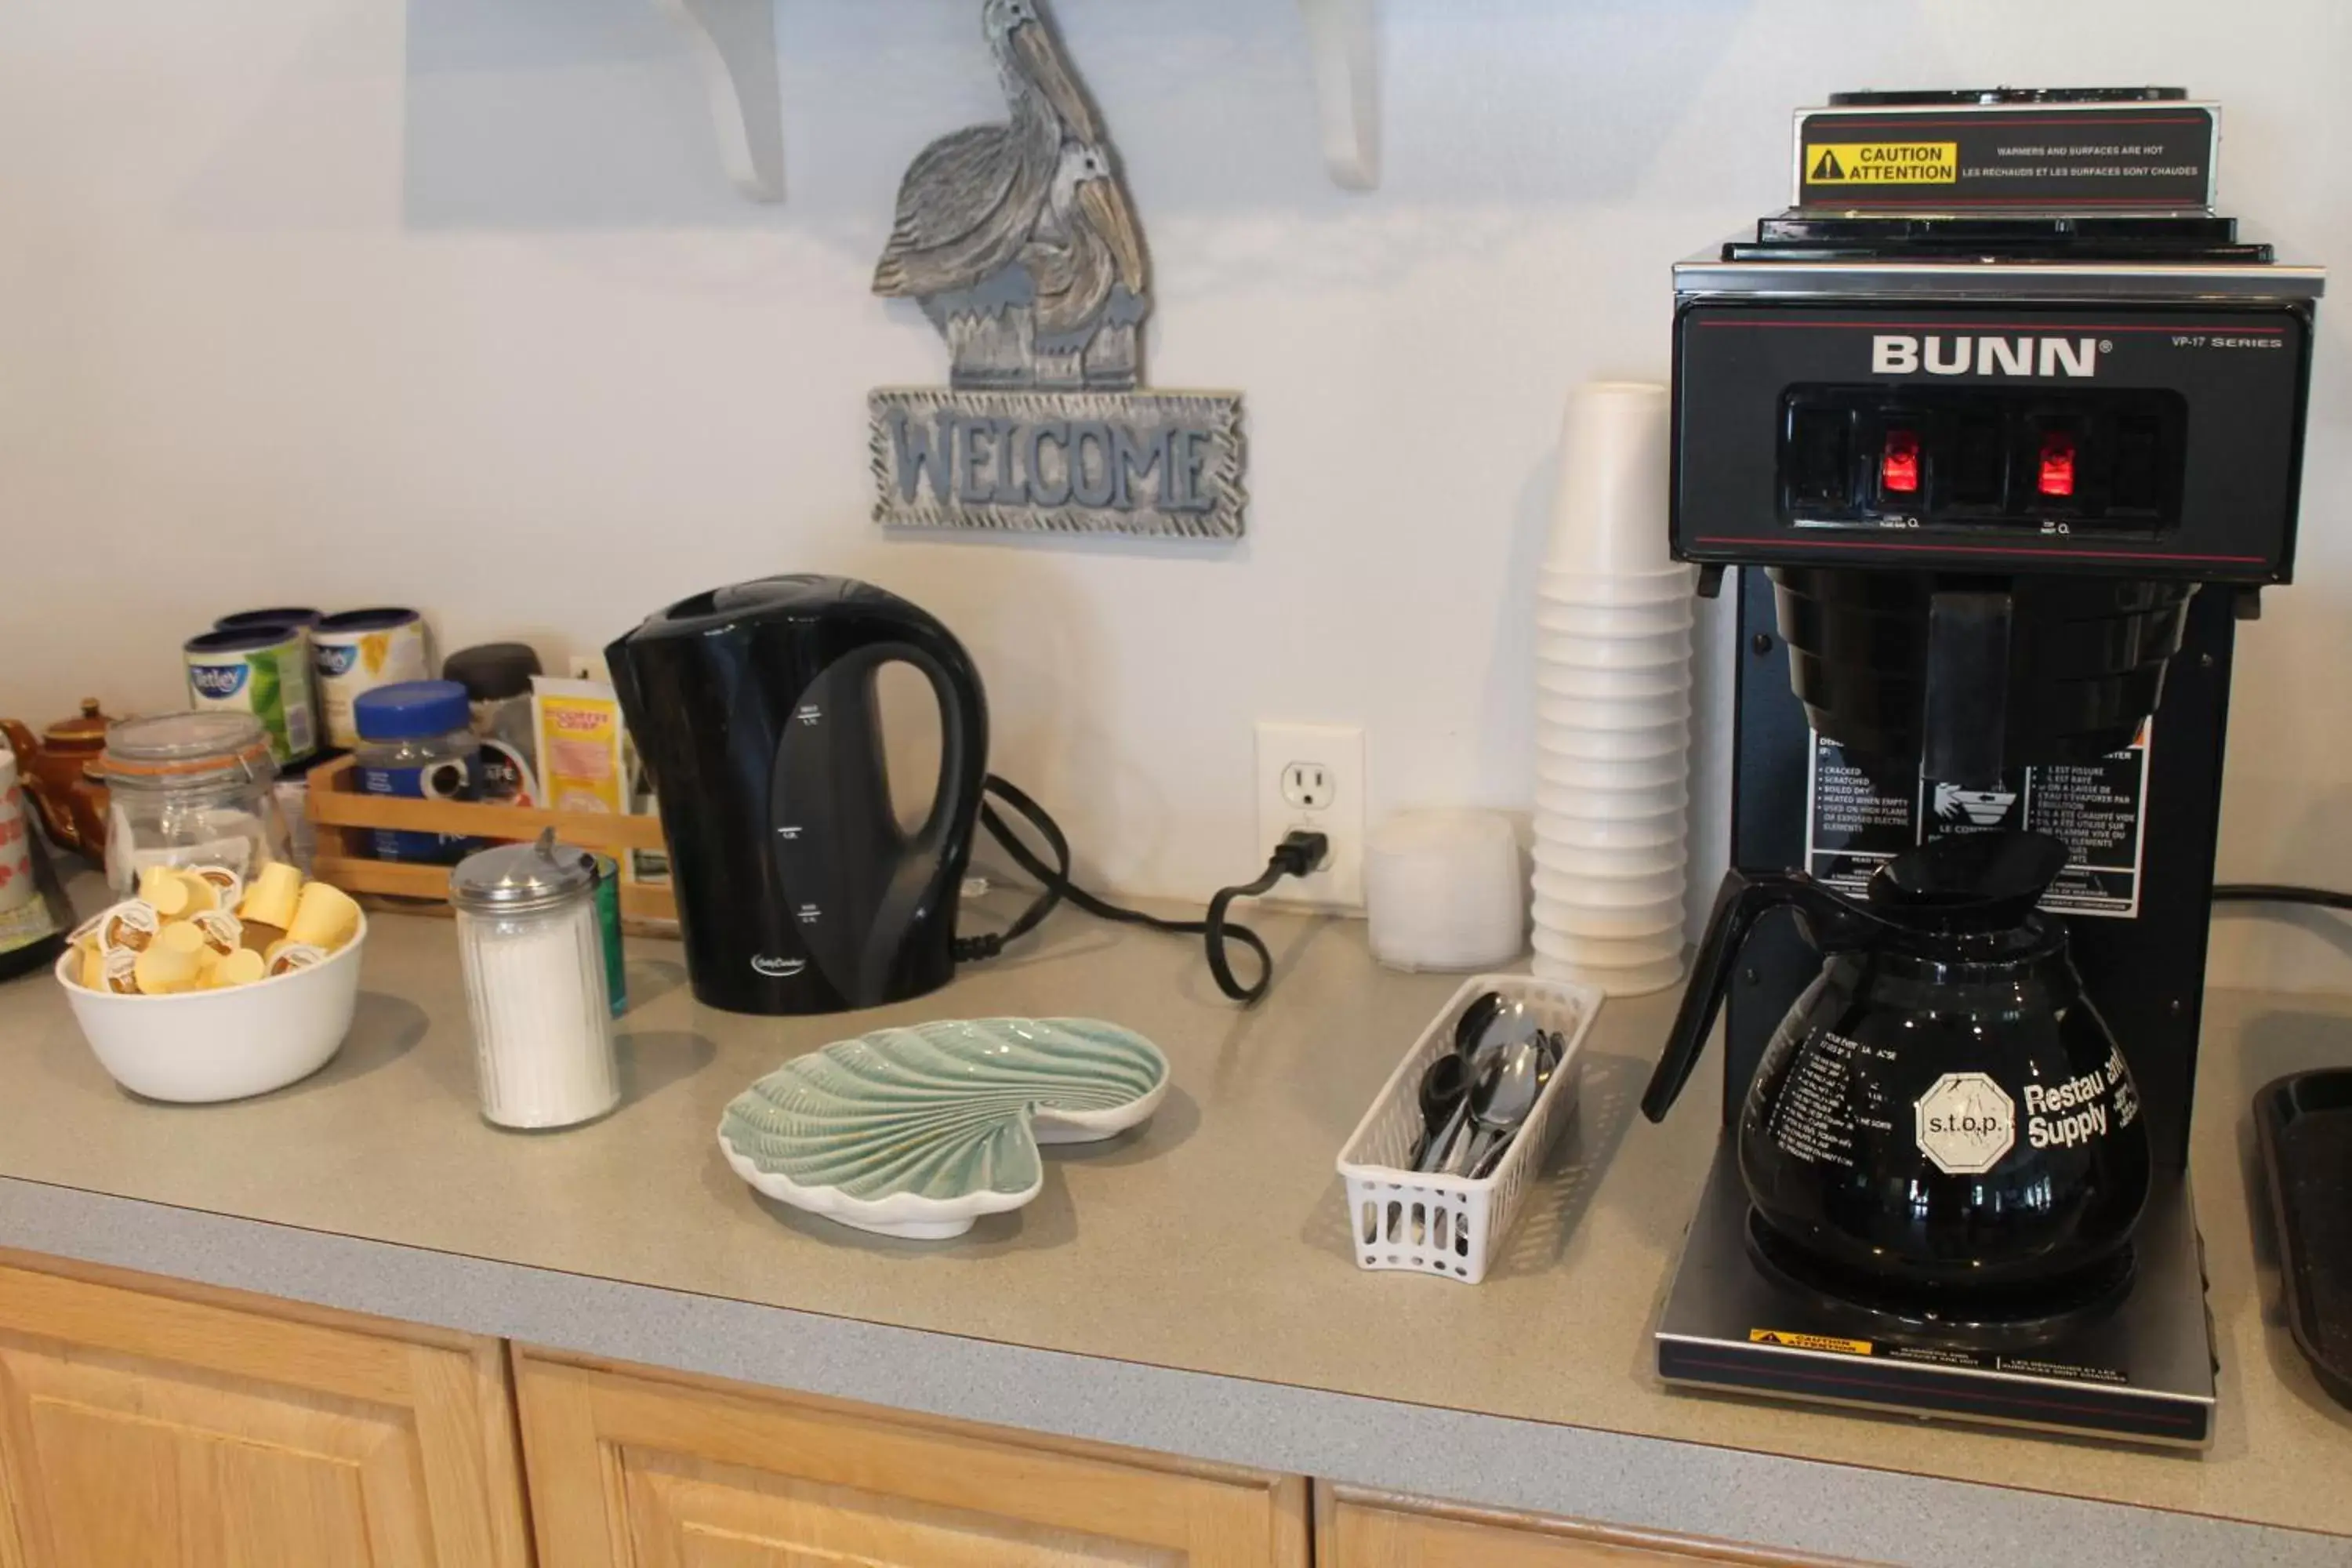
1855	821
1796	1342
1883	163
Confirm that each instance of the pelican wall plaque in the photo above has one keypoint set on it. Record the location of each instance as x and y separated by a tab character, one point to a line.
1018	241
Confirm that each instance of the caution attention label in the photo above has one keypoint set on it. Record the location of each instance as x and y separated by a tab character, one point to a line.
1807	1342
2058	157
1882	162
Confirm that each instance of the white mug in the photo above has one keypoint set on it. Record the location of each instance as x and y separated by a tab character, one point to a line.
1443	889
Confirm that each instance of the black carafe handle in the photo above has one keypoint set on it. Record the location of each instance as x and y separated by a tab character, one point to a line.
1827	919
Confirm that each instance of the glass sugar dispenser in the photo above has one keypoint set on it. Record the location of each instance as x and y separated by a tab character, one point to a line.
532	945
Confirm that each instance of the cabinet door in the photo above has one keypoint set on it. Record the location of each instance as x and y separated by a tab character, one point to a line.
649	1471
1373	1530
145	1422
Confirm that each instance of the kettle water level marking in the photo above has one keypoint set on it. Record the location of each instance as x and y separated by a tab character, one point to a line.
1965	1123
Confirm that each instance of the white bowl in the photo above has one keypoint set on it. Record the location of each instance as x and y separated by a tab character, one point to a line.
1655	650
1621	922
203	1046
1630	773
1555	833
1585	804
1645	745
1637	982
1580	684
1613	620
1605	890
1611	952
1612	712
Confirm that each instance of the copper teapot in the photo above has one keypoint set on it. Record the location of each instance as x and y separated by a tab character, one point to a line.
60	772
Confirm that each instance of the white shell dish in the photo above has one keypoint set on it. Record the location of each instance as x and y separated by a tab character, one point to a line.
917	1132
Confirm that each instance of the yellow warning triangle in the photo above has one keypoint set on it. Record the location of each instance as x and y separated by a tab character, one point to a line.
1829	168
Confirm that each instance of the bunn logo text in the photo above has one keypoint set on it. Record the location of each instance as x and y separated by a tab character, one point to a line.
1984	356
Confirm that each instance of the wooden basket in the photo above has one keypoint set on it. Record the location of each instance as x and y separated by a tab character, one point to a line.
342	813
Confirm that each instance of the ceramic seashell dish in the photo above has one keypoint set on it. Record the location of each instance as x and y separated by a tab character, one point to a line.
917	1132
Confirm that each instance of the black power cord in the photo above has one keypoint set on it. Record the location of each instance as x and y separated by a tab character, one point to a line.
2280	893
1296	856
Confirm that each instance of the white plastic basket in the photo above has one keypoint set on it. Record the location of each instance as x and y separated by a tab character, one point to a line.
1453	1226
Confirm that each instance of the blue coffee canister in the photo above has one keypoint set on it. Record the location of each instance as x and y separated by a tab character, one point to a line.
417	743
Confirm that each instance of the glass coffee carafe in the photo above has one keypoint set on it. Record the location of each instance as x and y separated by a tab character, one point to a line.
1942	1112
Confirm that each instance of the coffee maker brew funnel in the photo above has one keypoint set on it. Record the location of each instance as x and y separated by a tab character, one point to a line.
1964	679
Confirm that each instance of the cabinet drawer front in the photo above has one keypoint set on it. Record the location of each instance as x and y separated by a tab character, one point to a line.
627	1469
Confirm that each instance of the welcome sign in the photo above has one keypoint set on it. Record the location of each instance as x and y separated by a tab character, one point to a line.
1144	462
1020	244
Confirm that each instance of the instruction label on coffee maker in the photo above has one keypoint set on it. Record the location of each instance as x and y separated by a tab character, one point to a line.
2098	809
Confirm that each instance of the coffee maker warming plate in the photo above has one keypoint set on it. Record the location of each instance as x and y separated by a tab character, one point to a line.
2144	1373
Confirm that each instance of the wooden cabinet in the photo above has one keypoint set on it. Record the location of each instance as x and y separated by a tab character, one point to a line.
1373	1530
145	1421
177	1425
632	1470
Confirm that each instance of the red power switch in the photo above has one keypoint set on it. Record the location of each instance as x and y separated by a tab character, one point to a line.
1898	463
2057	464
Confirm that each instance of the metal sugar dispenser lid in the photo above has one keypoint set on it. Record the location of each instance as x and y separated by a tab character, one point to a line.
523	878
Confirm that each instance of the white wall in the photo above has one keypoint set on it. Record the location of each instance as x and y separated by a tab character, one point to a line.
335	301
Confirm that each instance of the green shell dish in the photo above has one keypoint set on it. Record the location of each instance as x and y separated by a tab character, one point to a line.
942	1109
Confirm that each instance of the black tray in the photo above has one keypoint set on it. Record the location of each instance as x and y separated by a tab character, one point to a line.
2304	1124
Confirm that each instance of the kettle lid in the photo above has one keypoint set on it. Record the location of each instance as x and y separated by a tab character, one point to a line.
802	594
1967	882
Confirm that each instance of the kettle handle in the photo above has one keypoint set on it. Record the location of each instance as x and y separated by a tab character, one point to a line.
1739	903
935	855
963	744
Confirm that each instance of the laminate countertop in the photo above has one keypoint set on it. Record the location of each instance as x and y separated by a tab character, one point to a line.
1187	1287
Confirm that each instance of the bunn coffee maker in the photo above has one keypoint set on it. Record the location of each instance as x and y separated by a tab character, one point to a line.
2002	426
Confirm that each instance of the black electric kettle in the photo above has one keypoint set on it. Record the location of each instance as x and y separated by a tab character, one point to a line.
753	708
1942	1108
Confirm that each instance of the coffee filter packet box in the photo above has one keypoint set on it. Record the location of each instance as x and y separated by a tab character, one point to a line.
586	762
582	761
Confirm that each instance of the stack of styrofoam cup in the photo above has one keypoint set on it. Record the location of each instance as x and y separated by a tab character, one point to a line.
1613	704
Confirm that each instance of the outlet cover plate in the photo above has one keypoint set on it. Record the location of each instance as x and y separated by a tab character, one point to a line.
1338	751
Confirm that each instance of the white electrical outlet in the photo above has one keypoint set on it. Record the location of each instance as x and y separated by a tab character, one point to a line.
1312	777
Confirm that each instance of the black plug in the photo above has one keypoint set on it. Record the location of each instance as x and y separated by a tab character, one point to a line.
1301	852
